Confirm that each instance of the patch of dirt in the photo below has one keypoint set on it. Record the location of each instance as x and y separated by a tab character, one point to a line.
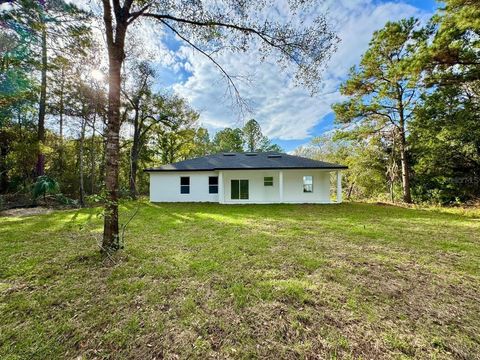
381	203
26	211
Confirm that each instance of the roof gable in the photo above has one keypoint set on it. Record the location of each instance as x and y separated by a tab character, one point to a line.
245	161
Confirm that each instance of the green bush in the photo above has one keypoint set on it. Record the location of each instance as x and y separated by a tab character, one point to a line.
43	186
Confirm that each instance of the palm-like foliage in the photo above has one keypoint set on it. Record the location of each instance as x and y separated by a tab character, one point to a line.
44	185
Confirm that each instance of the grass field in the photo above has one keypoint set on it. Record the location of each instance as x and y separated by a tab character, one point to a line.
241	282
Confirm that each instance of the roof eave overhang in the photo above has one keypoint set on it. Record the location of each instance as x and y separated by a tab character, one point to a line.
251	168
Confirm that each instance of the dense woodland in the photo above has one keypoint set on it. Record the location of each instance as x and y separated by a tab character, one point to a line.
410	127
55	106
80	115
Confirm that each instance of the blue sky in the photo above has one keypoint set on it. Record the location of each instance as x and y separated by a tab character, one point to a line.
287	113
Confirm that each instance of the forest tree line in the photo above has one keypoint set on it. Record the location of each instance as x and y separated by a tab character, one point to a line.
409	129
54	112
52	54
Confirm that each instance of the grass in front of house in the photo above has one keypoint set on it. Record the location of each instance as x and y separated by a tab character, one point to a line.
252	281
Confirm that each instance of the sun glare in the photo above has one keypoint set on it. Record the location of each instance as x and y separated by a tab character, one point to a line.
97	75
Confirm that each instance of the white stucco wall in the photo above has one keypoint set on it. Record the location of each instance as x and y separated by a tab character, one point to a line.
292	186
165	187
258	193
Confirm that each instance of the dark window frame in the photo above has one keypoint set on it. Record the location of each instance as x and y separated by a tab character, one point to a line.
268	182
213	185
184	185
239	189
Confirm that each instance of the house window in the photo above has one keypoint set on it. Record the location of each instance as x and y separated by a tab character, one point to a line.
268	181
213	184
185	185
239	189
308	184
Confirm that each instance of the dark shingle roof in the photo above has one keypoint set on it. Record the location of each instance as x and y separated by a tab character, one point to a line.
240	161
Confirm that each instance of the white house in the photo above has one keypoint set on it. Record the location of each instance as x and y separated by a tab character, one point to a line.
241	178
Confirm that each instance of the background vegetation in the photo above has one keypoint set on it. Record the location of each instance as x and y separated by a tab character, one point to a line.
63	132
408	129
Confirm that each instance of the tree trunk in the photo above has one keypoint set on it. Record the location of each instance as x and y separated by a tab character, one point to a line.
80	163
350	190
92	156
133	176
134	157
392	194
403	148
4	150
110	229
102	165
40	167
407	197
116	54
61	109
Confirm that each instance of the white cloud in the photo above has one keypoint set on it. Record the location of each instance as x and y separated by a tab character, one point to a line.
283	110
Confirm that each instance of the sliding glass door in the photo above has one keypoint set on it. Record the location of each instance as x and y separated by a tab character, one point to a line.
239	189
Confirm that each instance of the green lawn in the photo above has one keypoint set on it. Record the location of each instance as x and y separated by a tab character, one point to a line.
257	281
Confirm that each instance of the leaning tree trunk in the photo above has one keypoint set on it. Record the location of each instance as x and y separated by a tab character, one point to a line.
349	195
40	167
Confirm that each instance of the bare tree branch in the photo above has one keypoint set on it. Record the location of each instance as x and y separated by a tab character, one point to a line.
267	38
134	15
229	78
